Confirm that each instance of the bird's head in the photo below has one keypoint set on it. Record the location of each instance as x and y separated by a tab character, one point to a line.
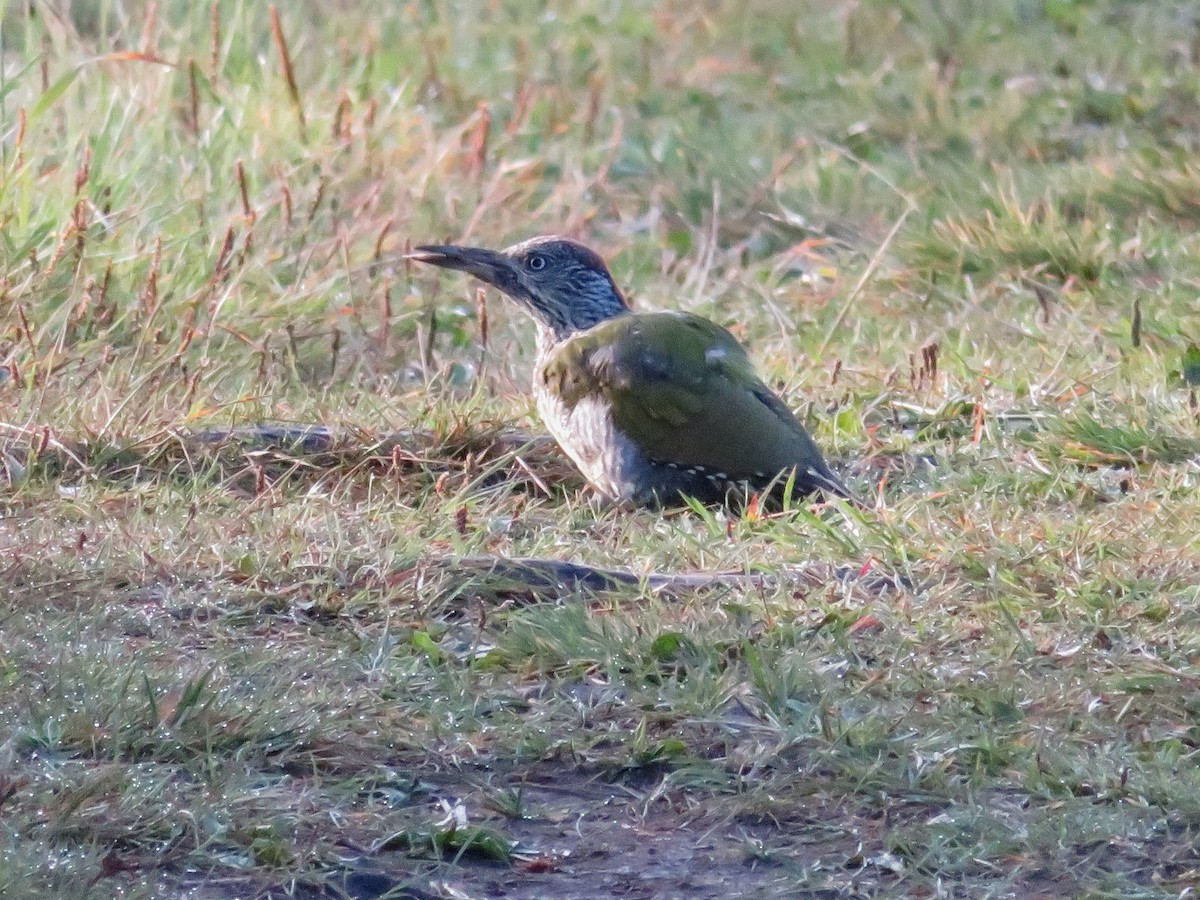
565	286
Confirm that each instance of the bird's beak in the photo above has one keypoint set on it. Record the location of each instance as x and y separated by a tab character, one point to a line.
490	266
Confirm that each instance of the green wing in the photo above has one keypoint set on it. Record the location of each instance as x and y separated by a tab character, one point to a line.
683	390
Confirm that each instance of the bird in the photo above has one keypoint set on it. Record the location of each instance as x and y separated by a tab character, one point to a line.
653	406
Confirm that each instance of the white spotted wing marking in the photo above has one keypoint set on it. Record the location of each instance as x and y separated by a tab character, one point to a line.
715	354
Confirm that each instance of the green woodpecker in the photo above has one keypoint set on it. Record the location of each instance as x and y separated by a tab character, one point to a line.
650	405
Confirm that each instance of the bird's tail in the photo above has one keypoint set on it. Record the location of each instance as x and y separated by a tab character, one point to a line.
824	478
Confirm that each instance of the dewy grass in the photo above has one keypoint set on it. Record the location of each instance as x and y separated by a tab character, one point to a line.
234	661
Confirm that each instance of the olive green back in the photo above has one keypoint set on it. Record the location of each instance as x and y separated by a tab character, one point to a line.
684	391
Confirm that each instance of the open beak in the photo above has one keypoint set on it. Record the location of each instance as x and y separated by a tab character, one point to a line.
490	266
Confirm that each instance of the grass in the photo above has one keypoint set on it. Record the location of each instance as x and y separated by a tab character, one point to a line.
960	239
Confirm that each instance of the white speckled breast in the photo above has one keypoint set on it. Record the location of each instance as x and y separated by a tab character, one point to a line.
608	459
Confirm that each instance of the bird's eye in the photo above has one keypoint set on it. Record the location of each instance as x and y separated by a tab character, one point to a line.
536	262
